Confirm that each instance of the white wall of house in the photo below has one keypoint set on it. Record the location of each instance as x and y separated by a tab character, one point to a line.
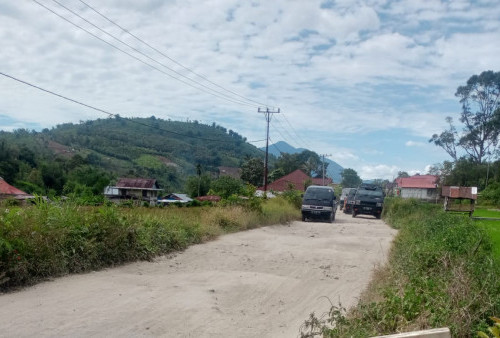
420	193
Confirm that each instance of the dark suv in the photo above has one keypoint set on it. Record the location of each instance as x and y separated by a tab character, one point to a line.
369	200
319	202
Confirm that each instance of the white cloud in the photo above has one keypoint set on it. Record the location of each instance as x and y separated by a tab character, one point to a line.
414	144
382	171
356	67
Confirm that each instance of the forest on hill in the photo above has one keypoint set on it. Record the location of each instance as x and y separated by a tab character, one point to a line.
87	156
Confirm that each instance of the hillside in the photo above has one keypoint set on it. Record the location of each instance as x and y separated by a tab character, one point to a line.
334	169
149	147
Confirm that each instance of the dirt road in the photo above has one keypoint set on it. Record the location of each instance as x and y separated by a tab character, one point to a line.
258	283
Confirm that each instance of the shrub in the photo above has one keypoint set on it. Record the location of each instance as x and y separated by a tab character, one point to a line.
440	273
53	239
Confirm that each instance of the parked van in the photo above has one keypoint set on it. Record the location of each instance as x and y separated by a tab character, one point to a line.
319	202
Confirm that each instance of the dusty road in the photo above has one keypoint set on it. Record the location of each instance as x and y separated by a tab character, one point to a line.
258	283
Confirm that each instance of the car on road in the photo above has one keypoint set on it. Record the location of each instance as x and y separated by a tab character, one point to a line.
349	201
319	202
369	200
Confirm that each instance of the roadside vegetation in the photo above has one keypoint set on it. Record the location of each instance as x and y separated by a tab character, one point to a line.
442	272
53	239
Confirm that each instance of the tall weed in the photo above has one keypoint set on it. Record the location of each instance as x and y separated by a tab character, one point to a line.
47	240
440	273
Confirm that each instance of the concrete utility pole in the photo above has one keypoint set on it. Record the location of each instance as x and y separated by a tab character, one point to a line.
268	113
323	162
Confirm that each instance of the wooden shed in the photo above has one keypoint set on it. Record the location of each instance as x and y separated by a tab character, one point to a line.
459	199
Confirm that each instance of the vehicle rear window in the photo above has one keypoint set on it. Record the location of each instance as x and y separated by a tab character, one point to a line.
318	194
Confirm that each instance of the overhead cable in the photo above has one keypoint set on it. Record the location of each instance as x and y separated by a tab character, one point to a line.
106	112
144	62
168	57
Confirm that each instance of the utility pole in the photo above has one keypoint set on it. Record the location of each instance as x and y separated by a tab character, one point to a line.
268	113
323	162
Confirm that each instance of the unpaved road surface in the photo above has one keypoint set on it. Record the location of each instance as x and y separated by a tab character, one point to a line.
259	283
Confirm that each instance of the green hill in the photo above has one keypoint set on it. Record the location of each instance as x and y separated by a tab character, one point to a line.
104	149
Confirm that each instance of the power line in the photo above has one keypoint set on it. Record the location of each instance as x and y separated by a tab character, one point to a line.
296	133
268	113
168	57
147	56
106	112
286	131
276	147
144	62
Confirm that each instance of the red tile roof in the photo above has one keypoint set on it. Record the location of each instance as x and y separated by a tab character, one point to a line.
417	181
137	183
211	198
7	189
296	178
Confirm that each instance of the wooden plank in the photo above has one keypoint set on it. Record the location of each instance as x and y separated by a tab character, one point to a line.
432	333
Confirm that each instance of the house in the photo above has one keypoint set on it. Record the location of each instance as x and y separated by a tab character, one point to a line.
139	189
9	191
230	171
423	187
295	180
210	198
175	198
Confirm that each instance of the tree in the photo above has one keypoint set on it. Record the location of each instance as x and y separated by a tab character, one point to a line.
307	160
350	178
480	99
198	185
226	186
252	171
403	174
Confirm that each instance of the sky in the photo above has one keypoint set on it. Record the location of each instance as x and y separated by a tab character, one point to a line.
366	82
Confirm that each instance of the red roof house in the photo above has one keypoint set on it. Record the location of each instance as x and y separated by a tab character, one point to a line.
418	186
295	179
7	190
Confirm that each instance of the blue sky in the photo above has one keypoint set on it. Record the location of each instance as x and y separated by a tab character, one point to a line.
368	81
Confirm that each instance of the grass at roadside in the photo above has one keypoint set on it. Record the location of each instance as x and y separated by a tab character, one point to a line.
48	240
481	212
441	272
492	228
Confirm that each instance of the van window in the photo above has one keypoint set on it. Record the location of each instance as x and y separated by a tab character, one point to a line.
318	194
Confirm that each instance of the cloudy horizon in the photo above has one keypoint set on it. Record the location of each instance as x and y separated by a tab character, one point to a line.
366	81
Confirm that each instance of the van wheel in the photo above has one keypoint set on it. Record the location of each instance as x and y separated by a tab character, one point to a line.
303	218
378	216
354	214
333	217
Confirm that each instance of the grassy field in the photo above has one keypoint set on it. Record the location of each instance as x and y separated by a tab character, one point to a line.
492	228
442	272
48	240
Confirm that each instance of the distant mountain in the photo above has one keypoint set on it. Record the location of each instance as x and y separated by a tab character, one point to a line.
334	169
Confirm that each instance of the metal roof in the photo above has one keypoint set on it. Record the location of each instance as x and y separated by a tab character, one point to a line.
137	183
7	189
418	181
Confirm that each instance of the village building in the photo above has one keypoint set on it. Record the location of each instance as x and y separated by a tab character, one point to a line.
233	172
8	191
175	198
138	189
295	180
423	187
